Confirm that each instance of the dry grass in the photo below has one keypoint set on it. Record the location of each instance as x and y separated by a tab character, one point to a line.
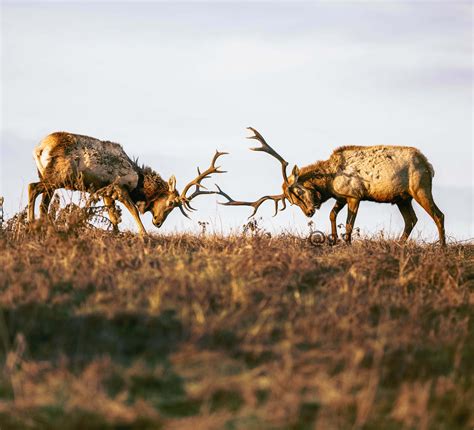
243	332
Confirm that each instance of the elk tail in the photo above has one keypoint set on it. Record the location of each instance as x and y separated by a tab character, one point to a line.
429	166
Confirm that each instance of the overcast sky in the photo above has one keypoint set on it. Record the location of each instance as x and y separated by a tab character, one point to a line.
172	82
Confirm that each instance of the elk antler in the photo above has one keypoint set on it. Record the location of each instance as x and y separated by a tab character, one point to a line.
276	198
269	150
231	202
197	182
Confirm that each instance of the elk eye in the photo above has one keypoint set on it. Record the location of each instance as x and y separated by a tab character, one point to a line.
170	203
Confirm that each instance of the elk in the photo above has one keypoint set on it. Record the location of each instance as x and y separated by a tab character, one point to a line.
384	174
82	163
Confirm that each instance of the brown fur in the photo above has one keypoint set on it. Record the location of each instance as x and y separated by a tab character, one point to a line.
83	163
78	162
153	185
384	174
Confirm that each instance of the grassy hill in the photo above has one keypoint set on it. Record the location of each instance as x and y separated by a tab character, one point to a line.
239	332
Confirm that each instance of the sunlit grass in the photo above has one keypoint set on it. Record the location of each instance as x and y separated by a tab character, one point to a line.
238	331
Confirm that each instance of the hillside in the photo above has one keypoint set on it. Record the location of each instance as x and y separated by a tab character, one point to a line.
246	331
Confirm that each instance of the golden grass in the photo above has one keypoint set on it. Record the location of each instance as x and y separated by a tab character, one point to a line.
239	332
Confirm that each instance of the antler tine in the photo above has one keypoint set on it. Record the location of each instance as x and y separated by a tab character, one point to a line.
183	212
222	193
269	150
188	206
256	204
196	193
216	156
201	176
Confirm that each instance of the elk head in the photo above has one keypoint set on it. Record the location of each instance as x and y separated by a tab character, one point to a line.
293	190
297	194
163	205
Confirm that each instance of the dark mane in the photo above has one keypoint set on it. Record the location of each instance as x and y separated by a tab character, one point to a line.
150	183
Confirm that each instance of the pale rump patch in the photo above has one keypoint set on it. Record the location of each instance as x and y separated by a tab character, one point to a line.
42	153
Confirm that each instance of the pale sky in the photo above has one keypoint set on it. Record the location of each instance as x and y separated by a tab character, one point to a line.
174	81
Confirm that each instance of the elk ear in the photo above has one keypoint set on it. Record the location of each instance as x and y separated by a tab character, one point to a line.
295	174
141	206
172	184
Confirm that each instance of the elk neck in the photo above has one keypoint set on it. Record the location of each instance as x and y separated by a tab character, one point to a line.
318	176
150	185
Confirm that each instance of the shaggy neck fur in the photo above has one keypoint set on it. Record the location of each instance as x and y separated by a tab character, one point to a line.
150	184
318	176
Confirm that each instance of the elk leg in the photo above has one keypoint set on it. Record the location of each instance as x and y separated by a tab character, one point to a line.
333	217
34	190
109	202
352	208
45	201
425	199
409	217
124	198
